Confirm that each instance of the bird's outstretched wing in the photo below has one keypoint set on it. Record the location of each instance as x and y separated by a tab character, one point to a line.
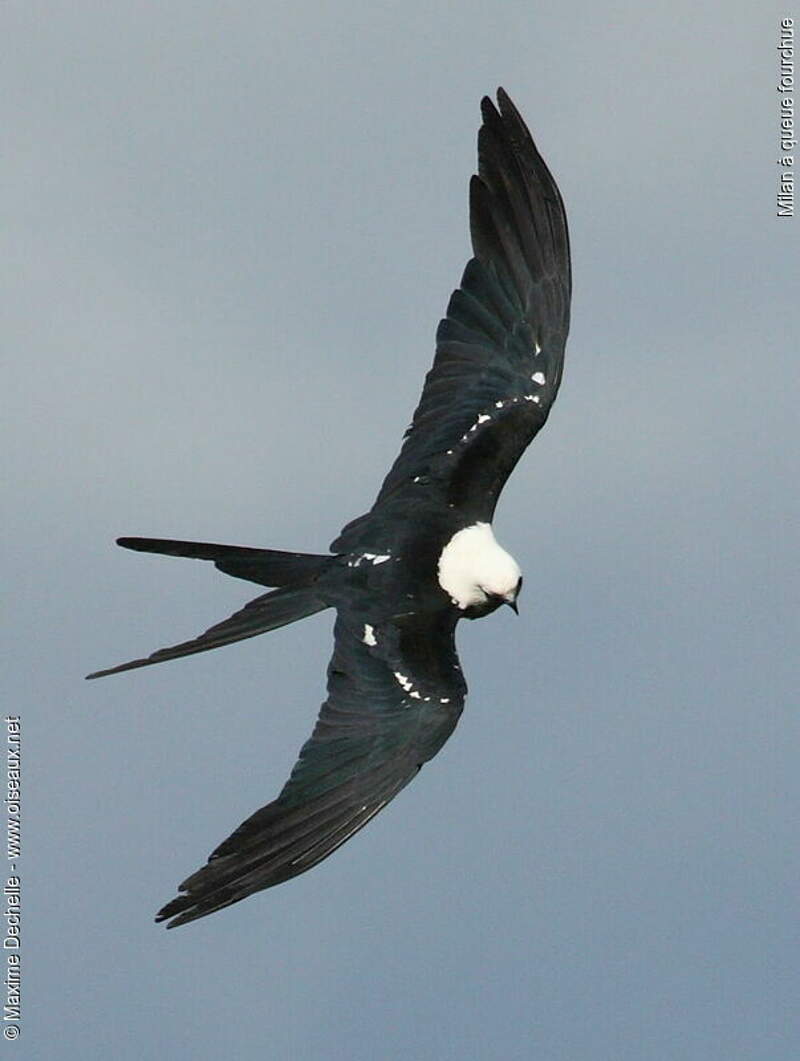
395	693
500	349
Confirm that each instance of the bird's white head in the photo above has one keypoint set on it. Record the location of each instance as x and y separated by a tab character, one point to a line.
474	570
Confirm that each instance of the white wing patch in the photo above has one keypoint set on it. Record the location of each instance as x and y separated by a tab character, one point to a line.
482	418
407	684
369	637
372	558
537	377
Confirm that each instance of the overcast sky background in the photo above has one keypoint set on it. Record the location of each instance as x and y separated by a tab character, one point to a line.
230	231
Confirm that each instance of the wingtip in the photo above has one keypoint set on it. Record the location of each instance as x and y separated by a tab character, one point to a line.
504	102
178	911
502	117
488	109
509	113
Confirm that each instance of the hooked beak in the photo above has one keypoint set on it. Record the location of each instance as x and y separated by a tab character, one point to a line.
513	606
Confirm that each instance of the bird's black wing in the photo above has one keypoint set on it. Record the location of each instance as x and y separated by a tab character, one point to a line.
395	693
500	349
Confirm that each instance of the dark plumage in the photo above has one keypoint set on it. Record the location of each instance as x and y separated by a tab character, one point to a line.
402	575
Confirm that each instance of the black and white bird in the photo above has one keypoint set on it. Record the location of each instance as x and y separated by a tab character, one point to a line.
401	576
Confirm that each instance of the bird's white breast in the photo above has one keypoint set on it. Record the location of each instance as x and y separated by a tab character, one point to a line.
472	566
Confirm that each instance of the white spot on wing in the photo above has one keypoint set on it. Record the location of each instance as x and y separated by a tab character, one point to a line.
374	558
482	418
404	681
369	635
538	377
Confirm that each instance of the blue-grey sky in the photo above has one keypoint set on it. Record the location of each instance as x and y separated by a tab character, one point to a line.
230	231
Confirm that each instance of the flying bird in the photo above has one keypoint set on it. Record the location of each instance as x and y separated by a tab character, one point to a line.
401	576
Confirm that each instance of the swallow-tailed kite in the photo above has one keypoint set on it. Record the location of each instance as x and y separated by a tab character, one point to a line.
401	576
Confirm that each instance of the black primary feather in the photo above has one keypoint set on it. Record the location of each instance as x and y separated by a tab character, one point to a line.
500	348
373	734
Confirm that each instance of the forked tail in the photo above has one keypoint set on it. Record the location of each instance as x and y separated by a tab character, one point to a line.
297	595
267	567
